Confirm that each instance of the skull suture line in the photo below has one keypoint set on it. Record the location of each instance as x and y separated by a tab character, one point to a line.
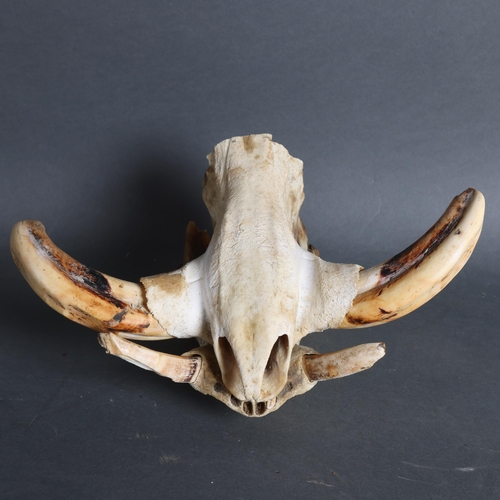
251	292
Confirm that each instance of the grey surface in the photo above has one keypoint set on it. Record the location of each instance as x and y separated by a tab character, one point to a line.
107	112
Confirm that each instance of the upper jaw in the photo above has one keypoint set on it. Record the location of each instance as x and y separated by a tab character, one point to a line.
306	369
209	381
253	367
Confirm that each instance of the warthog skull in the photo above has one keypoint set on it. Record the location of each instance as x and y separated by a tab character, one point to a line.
254	289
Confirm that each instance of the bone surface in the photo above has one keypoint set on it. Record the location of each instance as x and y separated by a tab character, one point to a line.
254	289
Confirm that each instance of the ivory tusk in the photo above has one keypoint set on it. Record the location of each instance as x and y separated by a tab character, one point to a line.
86	296
412	277
178	368
342	363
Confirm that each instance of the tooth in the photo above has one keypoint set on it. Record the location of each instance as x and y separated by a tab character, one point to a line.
412	277
271	403
84	295
178	368
342	363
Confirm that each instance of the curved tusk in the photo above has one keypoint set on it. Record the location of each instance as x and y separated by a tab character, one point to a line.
178	368
86	296
342	363
412	277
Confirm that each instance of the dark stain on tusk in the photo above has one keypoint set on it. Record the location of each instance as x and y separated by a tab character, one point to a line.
412	277
416	252
82	294
360	321
81	275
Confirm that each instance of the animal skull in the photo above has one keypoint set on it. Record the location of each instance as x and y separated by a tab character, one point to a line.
252	291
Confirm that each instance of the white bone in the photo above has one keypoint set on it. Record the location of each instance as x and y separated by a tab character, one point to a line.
258	283
252	292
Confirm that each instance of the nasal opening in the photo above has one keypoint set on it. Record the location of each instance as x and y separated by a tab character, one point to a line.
262	382
230	370
276	372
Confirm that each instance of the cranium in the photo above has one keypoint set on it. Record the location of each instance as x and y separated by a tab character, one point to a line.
254	289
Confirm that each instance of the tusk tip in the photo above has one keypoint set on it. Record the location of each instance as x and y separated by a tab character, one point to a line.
403	283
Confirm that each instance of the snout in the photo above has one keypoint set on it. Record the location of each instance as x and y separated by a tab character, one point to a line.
251	377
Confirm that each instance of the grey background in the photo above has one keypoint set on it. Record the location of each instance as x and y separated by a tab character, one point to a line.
107	111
